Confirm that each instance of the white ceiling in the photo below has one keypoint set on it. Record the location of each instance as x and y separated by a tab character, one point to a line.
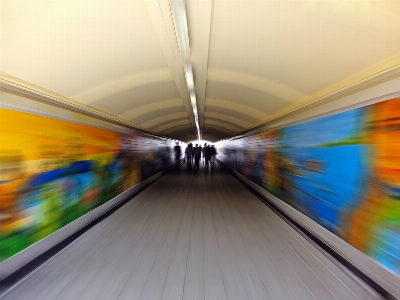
251	59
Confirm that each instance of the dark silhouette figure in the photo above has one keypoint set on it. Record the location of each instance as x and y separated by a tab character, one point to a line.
197	156
178	152
189	155
213	153
203	152
207	155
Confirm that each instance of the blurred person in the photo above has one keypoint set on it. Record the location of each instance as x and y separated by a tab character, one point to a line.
213	153
178	152
197	156
207	155
203	153
189	154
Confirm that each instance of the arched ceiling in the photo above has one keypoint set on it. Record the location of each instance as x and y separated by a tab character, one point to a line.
251	59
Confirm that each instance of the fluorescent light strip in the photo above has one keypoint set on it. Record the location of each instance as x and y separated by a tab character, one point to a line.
178	12
193	98
189	75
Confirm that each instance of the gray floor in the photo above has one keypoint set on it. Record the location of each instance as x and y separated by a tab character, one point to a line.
190	236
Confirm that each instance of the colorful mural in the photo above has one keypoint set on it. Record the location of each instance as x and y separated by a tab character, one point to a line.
54	171
343	171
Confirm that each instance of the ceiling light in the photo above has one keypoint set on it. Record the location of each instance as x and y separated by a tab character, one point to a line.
193	98
189	75
178	12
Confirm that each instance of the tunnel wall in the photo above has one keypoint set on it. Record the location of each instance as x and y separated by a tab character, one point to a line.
57	166
342	171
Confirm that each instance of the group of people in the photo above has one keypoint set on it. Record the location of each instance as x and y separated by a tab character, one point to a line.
208	151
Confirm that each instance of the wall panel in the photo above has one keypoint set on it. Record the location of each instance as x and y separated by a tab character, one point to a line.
342	171
57	166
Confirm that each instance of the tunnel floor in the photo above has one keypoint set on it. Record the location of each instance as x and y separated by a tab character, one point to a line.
191	235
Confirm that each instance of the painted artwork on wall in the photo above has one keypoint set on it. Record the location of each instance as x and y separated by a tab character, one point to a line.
53	171
343	171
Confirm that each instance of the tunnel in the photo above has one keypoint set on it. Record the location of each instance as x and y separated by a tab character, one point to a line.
200	149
